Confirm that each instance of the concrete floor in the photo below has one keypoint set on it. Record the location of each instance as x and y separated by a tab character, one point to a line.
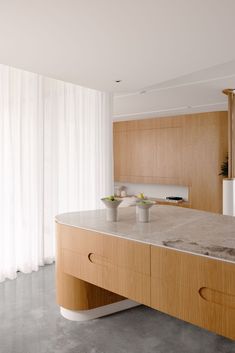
30	323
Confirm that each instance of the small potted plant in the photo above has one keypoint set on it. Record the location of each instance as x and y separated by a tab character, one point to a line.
143	206
224	167
111	203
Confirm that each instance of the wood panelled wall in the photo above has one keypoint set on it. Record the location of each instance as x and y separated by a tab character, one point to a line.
183	150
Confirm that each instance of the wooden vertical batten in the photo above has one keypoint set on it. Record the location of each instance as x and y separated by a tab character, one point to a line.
231	131
95	269
183	150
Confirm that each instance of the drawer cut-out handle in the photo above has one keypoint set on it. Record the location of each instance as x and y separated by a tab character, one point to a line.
97	259
90	257
217	297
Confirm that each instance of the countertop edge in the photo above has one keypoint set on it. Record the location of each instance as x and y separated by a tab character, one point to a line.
145	242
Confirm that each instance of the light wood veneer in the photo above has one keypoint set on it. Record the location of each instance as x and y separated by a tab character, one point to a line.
95	269
193	288
184	150
117	265
73	293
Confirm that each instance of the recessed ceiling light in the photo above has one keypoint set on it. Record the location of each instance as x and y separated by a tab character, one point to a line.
118	81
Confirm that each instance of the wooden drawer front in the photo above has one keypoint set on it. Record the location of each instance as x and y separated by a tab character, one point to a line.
195	289
116	264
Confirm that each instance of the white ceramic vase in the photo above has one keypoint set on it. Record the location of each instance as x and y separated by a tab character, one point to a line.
143	212
111	209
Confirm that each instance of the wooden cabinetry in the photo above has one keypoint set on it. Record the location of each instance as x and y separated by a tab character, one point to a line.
168	151
185	150
95	269
194	288
148	154
72	292
118	265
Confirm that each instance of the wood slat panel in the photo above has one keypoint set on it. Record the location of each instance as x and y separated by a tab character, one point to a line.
194	288
185	150
115	264
75	294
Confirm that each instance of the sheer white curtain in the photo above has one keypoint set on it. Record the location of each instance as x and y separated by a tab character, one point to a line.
55	156
77	149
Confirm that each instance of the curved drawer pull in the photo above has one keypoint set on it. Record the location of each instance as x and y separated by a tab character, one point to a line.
217	297
97	259
90	256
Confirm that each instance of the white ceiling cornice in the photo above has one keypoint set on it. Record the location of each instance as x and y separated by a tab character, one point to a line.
198	92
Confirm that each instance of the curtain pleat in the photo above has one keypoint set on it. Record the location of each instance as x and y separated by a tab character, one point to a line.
55	157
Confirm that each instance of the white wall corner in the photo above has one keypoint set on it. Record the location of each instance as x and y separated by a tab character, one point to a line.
229	197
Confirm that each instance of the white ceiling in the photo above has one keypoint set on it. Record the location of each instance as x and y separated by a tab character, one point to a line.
193	93
163	46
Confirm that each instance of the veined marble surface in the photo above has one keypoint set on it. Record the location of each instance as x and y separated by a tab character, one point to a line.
180	228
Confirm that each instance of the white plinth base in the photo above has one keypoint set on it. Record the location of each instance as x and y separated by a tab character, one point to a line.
85	315
229	197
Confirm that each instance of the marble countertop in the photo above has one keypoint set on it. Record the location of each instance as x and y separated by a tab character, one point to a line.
198	232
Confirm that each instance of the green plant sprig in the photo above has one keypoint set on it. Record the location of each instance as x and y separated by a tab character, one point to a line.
224	167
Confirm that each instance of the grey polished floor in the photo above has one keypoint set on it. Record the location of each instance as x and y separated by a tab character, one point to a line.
30	323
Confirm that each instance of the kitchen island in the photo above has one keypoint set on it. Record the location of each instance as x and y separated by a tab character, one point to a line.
182	263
